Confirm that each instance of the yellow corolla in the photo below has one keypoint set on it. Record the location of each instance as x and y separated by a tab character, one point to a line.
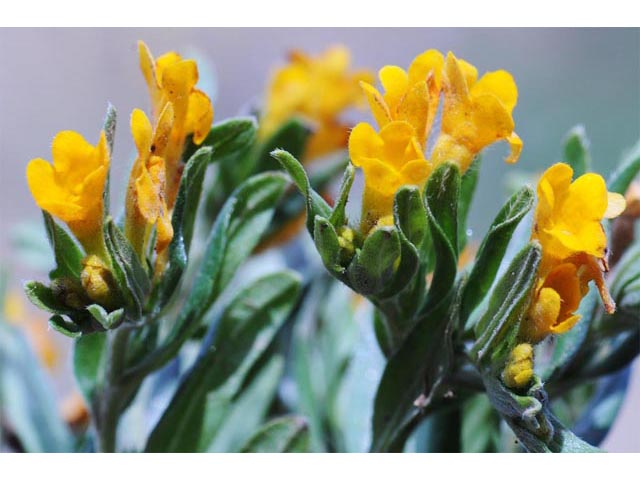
389	160
145	203
172	79
71	189
475	113
568	226
318	89
411	95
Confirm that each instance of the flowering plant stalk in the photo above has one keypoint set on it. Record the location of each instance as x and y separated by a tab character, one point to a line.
170	320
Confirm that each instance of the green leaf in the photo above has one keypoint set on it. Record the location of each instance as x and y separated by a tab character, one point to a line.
104	318
326	240
132	280
493	248
282	435
244	331
232	142
292	136
249	410
411	216
497	329
89	357
67	253
480	426
229	139
442	195
27	399
183	220
375	264
338	216
576	151
418	366
109	128
235	233
626	171
316	205
65	327
44	298
468	184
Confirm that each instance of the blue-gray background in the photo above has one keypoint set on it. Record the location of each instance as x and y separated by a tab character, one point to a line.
57	79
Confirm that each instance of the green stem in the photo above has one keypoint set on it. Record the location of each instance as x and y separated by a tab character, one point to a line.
113	395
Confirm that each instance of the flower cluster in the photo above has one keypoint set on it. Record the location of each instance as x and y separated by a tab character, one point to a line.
475	114
317	89
72	189
574	248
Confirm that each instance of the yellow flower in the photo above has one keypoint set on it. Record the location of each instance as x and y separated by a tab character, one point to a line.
389	160
317	89
411	96
568	226
172	79
71	189
475	114
145	202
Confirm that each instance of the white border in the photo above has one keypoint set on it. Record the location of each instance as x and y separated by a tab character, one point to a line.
317	13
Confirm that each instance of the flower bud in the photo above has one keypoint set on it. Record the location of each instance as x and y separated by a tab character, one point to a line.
518	372
69	292
98	281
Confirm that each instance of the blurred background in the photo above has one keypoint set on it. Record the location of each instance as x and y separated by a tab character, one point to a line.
59	79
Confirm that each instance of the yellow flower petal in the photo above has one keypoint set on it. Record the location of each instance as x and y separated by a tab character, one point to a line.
364	143
395	82
377	104
500	84
141	131
199	116
616	204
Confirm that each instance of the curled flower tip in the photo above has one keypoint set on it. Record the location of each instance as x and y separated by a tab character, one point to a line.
518	372
476	113
71	188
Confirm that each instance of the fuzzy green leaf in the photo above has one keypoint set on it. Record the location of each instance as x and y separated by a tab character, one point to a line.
27	399
442	195
133	282
497	329
316	205
244	331
493	248
89	357
338	216
326	240
626	171
282	435
376	263
468	184
67	254
249	410
576	151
